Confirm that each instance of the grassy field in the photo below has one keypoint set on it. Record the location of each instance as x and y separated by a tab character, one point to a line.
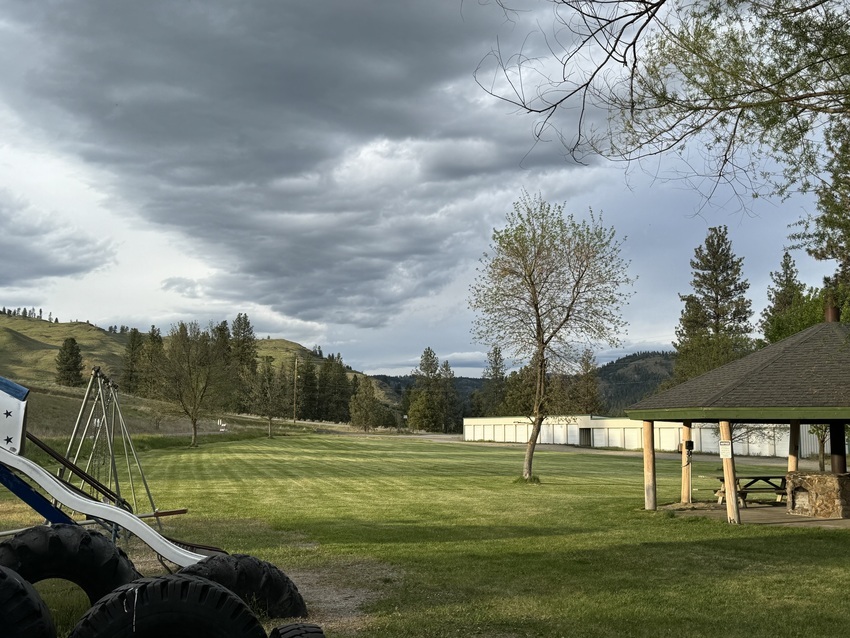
395	537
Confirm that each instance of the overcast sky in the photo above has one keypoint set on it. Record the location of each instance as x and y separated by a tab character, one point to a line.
332	169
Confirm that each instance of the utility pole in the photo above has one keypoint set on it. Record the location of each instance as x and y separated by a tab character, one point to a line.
295	391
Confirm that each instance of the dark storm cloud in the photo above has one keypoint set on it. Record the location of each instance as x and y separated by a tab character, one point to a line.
33	247
326	156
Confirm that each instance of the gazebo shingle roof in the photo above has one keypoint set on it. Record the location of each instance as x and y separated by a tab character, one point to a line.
805	377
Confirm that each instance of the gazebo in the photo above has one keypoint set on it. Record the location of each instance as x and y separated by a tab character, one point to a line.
803	379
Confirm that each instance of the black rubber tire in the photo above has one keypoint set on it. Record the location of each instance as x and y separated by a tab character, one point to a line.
266	589
172	606
23	612
297	630
70	552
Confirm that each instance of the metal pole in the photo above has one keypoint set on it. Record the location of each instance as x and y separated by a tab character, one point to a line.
295	392
79	417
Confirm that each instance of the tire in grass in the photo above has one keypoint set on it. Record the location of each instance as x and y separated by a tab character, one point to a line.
172	606
297	630
265	588
83	556
23	612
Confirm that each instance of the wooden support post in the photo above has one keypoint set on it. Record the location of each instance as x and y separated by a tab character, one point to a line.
837	448
686	462
794	446
730	480
649	494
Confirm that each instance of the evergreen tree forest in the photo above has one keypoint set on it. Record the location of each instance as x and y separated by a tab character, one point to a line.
218	370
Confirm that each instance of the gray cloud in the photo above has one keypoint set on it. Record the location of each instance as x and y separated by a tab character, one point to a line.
34	247
331	166
313	148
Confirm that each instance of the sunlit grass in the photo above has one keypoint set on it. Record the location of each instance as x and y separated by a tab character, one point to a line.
474	553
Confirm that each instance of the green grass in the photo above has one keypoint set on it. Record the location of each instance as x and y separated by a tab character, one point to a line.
451	545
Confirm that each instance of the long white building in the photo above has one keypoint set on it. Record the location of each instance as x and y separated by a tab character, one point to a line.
584	430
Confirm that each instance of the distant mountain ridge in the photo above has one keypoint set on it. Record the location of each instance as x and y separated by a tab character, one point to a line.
28	348
621	383
629	379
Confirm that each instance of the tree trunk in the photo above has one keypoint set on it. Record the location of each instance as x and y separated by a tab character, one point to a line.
194	442
821	454
270	427
537	425
532	444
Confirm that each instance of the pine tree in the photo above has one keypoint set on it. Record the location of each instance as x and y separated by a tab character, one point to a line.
243	351
308	394
334	390
493	389
714	325
583	396
449	401
791	307
519	393
69	364
427	411
150	371
133	353
364	407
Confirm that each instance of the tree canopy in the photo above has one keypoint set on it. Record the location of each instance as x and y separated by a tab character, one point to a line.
69	364
714	325
549	284
757	89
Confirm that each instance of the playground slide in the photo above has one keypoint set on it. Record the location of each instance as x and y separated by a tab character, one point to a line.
71	499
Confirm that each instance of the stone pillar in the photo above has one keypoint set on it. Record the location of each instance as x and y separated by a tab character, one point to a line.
730	481
686	462
649	493
837	447
794	445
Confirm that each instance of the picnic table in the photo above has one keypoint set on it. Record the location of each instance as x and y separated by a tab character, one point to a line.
754	484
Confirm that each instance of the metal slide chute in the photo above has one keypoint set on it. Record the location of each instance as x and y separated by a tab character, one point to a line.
104	511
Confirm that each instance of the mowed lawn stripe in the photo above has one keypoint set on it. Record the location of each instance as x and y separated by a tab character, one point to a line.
473	553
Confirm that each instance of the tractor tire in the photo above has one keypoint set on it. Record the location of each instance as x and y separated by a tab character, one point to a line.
70	552
266	589
23	611
297	630
172	606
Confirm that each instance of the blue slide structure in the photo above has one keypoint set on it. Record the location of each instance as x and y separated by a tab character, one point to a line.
13	440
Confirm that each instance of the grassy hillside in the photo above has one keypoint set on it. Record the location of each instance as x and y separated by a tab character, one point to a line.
28	348
629	379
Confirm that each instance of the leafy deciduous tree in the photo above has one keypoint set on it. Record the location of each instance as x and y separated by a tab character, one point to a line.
752	84
549	282
268	391
193	371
